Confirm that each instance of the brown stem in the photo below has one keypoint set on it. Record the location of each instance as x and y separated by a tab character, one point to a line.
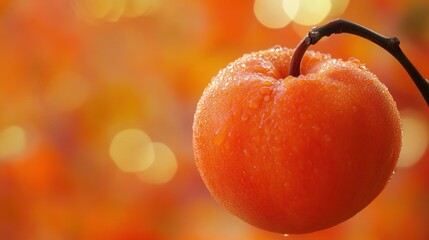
343	26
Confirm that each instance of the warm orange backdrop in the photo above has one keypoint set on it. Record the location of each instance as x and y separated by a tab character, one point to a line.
73	75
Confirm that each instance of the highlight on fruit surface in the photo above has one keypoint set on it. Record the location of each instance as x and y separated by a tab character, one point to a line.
296	153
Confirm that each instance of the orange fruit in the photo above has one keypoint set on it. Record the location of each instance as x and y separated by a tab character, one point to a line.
295	154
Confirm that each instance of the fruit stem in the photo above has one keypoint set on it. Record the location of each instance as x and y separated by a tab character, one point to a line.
390	44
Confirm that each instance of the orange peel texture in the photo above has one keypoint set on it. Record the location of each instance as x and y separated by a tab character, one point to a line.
295	154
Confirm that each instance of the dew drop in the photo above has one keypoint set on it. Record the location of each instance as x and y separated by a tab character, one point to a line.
276	48
267	98
265	90
267	83
246	153
288	78
254	103
219	136
316	128
327	138
363	67
391	176
244	117
354	60
266	65
276	149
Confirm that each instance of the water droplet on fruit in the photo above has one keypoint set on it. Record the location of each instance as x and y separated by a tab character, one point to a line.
316	128
276	48
276	149
391	176
265	65
363	67
265	90
288	78
244	117
254	103
267	98
246	153
267	83
354	60
327	138
219	136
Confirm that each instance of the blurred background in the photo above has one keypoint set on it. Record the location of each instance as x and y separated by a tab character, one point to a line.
97	100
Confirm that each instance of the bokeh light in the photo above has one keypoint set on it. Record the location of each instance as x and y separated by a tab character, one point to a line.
415	137
87	86
307	12
93	8
279	13
114	10
163	168
12	141
136	8
338	7
291	7
132	150
270	13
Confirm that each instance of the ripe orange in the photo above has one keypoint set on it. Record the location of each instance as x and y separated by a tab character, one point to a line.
295	154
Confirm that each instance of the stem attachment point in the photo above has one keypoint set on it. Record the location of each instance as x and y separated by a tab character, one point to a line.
390	44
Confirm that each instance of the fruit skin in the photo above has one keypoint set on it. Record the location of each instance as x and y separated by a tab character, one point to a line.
295	155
